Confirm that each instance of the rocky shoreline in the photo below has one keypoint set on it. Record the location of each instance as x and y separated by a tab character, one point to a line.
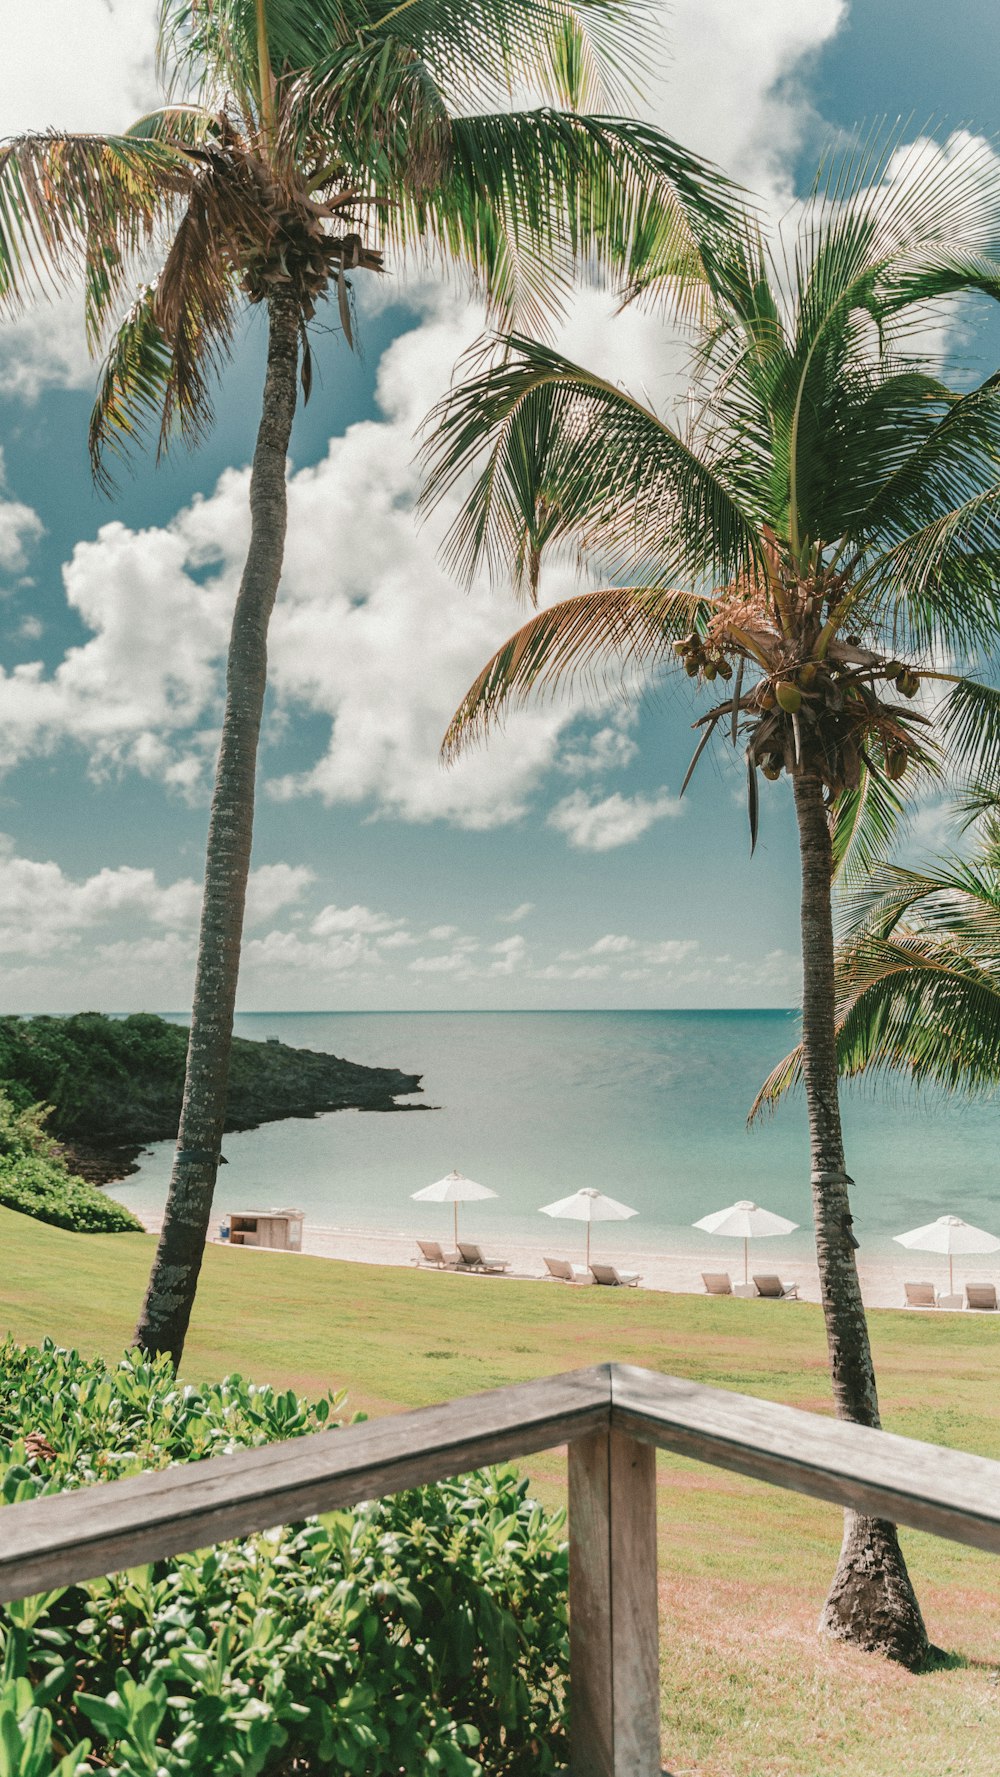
115	1085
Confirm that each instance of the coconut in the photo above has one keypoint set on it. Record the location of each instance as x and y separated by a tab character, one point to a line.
807	674
908	683
691	666
789	697
896	761
771	768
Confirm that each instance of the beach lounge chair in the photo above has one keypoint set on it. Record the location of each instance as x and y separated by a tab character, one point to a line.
433	1253
981	1296
920	1295
474	1259
611	1274
772	1286
717	1283
566	1272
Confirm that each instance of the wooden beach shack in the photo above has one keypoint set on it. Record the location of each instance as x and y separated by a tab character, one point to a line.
280	1229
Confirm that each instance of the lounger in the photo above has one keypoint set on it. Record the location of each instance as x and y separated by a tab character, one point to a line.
717	1283
474	1259
566	1272
433	1253
773	1287
611	1274
981	1295
920	1295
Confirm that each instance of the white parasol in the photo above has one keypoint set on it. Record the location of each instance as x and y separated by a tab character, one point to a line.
589	1205
949	1234
746	1221
455	1188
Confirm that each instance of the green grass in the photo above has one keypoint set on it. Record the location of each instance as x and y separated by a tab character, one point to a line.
749	1690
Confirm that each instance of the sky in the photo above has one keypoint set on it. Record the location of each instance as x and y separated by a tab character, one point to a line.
557	867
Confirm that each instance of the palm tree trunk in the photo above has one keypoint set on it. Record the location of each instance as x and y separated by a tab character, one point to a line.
871	1601
166	1311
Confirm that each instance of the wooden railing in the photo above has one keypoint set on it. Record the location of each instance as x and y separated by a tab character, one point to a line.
613	1418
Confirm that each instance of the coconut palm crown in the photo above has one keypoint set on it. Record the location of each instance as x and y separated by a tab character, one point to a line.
305	143
817	541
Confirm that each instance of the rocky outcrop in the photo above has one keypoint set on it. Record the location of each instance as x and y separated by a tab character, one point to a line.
115	1085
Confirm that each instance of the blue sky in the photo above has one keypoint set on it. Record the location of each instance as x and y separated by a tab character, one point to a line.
557	869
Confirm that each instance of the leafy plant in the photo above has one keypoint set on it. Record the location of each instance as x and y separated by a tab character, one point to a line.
35	1179
426	1632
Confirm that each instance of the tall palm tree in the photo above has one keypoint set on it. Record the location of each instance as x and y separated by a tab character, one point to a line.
304	141
818	535
918	976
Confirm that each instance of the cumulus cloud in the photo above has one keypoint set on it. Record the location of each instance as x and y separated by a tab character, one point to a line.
43	910
606	822
20	527
69	65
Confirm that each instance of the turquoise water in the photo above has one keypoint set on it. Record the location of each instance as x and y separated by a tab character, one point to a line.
648	1106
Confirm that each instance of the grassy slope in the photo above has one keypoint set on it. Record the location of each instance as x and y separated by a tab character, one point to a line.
748	1690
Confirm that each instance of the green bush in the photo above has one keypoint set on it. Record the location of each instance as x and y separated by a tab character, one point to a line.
423	1633
35	1179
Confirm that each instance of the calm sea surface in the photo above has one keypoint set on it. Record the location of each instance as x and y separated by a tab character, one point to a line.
648	1106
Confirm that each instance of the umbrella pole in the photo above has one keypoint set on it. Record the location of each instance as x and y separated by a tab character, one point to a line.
746	1261
588	1246
455	1208
951	1275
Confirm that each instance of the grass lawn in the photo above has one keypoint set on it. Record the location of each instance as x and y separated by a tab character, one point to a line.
748	1689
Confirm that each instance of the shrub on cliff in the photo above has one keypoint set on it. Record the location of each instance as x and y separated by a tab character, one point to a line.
426	1632
35	1179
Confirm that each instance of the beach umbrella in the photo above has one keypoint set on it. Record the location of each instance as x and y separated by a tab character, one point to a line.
745	1221
454	1189
589	1205
949	1234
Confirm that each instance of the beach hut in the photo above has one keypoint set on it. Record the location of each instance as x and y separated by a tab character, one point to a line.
279	1229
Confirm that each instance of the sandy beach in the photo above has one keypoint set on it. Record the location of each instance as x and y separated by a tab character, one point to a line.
882	1278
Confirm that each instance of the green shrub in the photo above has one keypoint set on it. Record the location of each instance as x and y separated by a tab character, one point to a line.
35	1179
423	1633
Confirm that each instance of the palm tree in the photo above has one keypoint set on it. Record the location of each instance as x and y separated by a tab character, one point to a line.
918	975
302	144
819	533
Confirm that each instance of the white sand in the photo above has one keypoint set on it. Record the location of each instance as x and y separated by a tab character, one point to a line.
882	1278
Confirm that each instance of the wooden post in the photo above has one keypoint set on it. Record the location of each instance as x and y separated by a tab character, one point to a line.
614	1631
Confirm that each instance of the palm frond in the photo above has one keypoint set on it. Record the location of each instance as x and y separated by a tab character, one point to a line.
784	1077
629	626
175	339
524	197
128	408
865	822
82	203
970	720
570	448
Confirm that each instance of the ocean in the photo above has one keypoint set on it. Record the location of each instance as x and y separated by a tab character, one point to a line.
648	1106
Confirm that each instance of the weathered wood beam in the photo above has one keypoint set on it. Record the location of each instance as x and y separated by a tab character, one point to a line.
945	1492
73	1536
613	1622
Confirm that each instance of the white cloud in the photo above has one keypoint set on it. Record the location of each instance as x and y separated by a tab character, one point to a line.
510	955
610	821
20	527
69	65
42	910
516	914
353	919
449	964
610	748
274	886
669	951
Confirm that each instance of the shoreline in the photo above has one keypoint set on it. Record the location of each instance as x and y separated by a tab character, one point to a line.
882	1278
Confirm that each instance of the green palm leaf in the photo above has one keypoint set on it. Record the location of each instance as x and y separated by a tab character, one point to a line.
630	626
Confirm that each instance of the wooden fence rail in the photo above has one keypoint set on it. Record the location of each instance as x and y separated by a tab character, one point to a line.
613	1418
